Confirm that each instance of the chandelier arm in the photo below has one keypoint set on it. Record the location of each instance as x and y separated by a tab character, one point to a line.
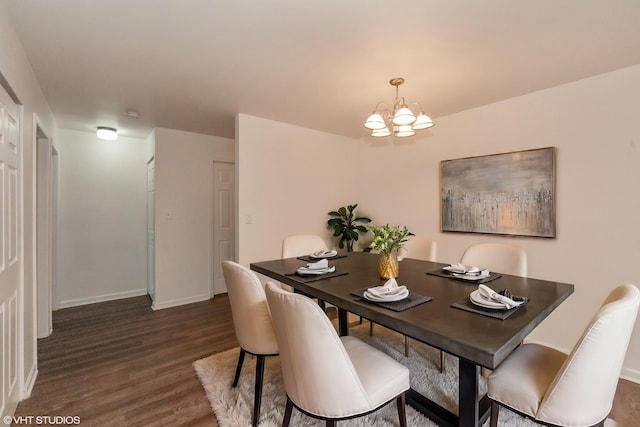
386	115
398	104
378	110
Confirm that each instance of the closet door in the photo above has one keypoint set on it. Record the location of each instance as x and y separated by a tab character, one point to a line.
224	225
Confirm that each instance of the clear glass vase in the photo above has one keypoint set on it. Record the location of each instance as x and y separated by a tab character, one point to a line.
388	266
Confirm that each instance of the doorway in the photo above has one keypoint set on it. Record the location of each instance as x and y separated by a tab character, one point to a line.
151	229
224	227
46	225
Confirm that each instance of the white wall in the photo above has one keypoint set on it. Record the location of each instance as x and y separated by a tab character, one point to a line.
102	218
184	185
594	125
288	179
16	71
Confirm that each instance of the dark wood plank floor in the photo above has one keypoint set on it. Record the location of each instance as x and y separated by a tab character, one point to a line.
119	363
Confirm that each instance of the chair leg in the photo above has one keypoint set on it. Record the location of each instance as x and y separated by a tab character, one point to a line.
287	413
258	389
239	367
442	362
495	408
332	423
406	346
402	410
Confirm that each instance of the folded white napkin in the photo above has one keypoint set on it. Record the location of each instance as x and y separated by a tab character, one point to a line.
458	268
491	295
390	288
305	271
318	265
324	253
463	269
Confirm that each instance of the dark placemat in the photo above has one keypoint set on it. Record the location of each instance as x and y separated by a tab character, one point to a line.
307	279
308	258
444	273
466	305
404	304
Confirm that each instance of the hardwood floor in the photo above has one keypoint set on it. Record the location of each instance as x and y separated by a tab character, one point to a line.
119	363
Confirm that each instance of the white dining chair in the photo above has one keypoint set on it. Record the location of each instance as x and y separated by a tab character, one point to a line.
577	389
251	322
498	257
330	377
419	247
300	245
422	248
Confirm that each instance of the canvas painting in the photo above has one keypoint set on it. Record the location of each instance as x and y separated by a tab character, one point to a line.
510	193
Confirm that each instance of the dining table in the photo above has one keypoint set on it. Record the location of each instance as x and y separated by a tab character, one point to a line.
443	316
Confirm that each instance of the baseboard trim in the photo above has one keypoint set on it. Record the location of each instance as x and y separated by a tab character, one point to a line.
181	301
102	298
630	375
30	382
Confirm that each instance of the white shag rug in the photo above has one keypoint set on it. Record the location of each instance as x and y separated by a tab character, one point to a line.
233	407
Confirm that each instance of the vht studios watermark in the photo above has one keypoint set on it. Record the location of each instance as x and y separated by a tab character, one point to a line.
57	420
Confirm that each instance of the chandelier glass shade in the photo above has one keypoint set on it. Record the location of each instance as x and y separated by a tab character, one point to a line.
399	121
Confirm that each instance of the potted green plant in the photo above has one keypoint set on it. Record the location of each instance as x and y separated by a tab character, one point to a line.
347	225
387	240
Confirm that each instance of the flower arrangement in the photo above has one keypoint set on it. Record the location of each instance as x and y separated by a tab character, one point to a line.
388	238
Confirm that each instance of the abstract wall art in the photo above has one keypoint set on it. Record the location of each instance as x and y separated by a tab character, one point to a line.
509	193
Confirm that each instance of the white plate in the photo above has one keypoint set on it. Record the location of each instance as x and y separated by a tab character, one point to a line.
450	269
329	254
304	271
477	299
471	276
390	298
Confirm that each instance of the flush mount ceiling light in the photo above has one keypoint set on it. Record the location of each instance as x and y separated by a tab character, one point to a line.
110	134
399	122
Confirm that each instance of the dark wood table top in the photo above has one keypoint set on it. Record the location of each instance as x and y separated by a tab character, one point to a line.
482	340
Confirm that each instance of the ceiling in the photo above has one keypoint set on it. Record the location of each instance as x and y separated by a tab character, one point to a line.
322	64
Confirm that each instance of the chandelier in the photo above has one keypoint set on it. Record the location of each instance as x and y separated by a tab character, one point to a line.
400	121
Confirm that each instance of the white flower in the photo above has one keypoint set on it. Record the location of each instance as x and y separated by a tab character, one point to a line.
387	238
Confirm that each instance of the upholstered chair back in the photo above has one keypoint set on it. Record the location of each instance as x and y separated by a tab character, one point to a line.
419	247
302	244
249	308
318	373
498	257
583	390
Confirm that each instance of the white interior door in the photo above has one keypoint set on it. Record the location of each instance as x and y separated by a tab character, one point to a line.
10	251
224	227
